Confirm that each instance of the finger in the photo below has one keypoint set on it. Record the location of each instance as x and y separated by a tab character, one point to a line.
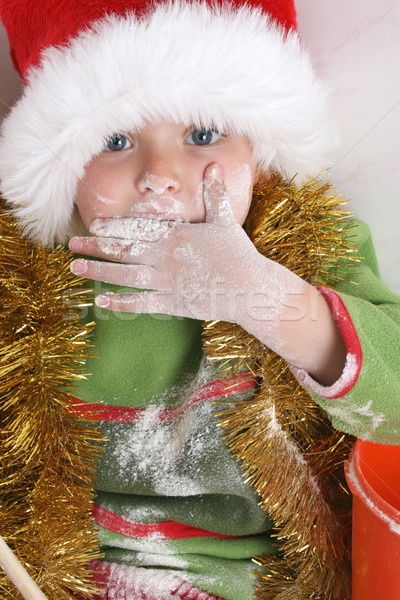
113	249
138	276
216	201
139	229
165	303
143	302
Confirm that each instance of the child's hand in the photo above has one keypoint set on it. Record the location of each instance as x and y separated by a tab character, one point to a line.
202	270
206	271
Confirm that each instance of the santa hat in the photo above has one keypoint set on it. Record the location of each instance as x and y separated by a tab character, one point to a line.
95	68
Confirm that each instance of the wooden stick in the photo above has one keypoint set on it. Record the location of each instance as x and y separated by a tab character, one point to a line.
18	574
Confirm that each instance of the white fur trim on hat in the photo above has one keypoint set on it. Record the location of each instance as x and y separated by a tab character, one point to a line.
233	69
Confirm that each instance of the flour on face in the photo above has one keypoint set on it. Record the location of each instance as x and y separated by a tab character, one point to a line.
155	183
132	228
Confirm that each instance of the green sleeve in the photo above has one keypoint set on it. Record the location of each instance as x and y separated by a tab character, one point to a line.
371	408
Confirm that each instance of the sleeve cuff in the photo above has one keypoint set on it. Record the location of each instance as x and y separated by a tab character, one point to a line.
353	363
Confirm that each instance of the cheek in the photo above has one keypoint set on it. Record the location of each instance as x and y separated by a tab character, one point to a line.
97	196
239	185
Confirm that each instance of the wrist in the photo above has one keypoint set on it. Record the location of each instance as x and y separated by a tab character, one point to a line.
276	305
293	319
314	342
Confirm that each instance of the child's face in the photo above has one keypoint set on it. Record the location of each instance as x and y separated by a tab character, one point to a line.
158	173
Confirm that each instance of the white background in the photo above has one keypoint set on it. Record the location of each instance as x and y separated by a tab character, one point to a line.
355	46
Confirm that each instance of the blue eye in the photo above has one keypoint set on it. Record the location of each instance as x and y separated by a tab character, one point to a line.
116	142
203	137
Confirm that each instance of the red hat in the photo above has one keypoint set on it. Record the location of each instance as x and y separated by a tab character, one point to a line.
94	68
52	23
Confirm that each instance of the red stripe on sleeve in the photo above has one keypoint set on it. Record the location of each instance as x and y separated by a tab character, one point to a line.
354	353
168	530
344	321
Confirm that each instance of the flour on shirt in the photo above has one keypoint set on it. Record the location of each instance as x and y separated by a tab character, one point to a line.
174	561
132	583
165	454
175	451
357	416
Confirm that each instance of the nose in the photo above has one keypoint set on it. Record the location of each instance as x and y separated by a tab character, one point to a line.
157	184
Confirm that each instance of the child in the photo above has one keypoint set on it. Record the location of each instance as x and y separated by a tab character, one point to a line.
139	139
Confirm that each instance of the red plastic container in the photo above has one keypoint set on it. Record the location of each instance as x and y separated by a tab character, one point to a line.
373	475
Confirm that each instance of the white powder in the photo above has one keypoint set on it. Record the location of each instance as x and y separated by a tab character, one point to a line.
166	455
104	200
217	209
352	414
141	514
166	206
133	583
335	390
236	200
274	428
376	418
146	559
118	249
156	184
152	546
184	457
351	474
130	228
188	253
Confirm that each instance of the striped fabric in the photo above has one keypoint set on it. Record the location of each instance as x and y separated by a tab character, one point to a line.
120	582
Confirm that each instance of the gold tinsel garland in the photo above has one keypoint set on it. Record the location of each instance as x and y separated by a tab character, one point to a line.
286	446
47	456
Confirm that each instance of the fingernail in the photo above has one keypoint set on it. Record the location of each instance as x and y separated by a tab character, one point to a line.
79	266
216	172
102	301
75	244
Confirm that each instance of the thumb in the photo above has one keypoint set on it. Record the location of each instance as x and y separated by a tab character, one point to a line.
216	201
